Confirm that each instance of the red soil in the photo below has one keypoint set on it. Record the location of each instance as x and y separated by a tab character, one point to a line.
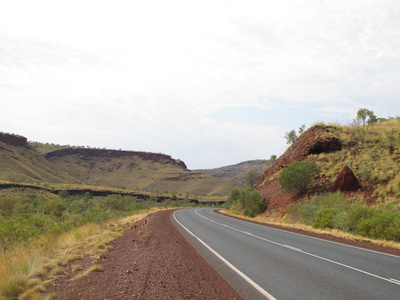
160	265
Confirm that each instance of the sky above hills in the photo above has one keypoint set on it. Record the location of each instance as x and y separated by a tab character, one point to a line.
212	83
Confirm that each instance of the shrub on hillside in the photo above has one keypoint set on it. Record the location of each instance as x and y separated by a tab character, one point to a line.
7	205
248	200
325	218
297	176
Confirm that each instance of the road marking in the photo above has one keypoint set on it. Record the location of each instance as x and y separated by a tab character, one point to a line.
293	248
395	280
316	238
306	253
236	270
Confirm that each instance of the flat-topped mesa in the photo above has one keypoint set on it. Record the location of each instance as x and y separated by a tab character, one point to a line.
87	153
318	139
14	140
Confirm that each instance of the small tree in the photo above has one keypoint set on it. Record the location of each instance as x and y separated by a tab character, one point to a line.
290	136
251	178
365	118
248	200
270	161
302	128
297	176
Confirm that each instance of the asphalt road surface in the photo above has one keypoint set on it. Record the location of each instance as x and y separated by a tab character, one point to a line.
265	263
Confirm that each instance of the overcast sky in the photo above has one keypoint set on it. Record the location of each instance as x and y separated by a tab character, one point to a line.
212	83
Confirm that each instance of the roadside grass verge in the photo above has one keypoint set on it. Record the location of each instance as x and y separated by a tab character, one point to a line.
282	221
26	271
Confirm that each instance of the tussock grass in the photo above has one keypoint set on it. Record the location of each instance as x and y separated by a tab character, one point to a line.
374	160
95	268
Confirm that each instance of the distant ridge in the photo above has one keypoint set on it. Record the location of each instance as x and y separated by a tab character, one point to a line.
237	171
34	163
138	170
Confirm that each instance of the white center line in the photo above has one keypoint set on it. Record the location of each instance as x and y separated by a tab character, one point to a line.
299	250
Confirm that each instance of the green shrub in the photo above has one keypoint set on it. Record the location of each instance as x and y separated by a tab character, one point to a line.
55	207
297	176
324	218
341	221
7	205
249	200
308	213
97	214
357	214
330	200
381	224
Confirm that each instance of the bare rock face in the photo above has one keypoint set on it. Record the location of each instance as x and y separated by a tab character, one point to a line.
317	139
346	181
87	154
14	140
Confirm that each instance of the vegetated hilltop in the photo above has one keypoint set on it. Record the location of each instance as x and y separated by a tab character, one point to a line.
371	153
237	171
138	170
19	163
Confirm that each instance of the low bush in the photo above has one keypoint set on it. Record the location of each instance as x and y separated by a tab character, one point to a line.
325	218
248	200
332	211
297	176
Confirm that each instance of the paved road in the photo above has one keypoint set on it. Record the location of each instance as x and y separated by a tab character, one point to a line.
266	263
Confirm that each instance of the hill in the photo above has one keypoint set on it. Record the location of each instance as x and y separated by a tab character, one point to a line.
237	171
374	159
137	170
20	163
37	163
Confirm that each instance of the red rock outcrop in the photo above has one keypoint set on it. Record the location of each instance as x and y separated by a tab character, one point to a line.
14	140
87	153
346	181
318	139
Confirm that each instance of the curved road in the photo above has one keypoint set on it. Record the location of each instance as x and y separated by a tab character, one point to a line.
260	262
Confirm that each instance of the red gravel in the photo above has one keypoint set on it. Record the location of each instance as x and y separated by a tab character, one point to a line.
160	265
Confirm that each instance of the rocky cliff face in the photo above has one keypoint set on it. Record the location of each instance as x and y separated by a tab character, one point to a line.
313	141
90	153
14	140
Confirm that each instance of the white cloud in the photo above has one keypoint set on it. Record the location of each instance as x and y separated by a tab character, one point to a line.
148	75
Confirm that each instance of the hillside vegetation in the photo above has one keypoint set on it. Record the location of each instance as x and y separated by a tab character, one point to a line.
370	150
18	163
41	232
375	159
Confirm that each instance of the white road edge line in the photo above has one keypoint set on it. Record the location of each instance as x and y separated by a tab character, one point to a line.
304	252
241	274
395	280
316	238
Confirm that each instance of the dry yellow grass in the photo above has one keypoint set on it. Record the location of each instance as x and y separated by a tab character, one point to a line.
20	268
275	219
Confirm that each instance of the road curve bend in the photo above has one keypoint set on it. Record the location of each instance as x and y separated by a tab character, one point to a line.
260	262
